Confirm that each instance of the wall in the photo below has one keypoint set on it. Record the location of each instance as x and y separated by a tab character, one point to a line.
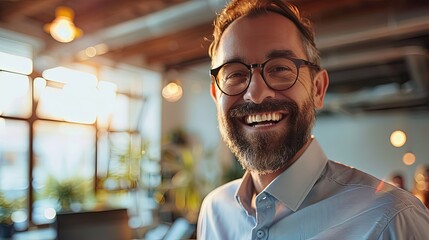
362	141
195	111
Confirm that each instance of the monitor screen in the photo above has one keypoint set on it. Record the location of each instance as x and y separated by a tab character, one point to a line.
109	224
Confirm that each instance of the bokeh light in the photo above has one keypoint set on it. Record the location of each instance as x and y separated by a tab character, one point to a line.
398	138
409	158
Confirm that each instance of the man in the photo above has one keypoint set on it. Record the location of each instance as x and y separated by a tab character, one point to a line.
267	85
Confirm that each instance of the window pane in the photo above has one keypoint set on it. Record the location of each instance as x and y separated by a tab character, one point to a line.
15	95
14	165
64	163
120	155
127	113
69	103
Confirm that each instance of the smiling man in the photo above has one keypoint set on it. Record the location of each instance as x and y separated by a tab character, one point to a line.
267	85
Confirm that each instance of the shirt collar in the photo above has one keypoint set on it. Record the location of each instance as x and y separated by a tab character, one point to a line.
292	186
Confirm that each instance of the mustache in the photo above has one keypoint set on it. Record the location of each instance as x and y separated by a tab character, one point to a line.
270	105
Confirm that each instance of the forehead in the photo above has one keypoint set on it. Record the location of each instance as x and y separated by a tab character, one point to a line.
250	39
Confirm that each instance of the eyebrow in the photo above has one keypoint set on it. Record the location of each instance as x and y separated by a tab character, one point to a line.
281	53
272	54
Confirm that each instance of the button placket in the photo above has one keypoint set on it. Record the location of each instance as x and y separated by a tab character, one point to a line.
265	216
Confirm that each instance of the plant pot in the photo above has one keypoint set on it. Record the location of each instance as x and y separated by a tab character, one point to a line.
6	230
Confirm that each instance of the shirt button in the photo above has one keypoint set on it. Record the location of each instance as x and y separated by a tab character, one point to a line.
260	233
263	197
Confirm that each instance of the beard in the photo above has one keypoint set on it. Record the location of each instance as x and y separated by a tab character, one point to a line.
267	151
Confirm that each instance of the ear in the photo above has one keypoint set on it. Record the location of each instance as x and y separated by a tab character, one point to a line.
321	82
213	91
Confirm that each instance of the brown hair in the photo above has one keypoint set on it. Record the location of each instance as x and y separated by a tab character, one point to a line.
238	8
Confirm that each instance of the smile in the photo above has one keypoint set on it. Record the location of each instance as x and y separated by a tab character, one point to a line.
264	118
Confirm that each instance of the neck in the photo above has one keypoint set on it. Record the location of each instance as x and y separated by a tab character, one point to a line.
261	181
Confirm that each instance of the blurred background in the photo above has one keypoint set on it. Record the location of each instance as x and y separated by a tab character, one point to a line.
105	104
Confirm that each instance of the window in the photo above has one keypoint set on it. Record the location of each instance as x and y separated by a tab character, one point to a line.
14	164
64	166
82	145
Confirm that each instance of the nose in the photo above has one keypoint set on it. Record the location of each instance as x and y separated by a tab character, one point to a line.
258	90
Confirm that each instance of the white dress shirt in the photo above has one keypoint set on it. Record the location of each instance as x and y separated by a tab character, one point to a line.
315	198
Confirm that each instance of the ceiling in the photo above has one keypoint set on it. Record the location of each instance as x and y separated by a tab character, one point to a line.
358	39
158	34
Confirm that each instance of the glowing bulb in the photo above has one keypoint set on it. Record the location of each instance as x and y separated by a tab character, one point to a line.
63	30
398	138
172	92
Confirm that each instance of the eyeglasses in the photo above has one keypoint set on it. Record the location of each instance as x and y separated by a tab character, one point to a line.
281	73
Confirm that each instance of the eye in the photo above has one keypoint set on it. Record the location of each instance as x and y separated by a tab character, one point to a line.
235	75
279	69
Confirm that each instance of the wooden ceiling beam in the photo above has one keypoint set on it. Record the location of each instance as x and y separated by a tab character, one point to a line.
178	57
168	43
22	9
106	15
114	12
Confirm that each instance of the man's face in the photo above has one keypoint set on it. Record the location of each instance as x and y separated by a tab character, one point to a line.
265	146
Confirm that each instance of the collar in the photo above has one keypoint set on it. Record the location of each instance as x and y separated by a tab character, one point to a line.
293	185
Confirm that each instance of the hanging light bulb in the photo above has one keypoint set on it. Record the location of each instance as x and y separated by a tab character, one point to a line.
62	28
172	92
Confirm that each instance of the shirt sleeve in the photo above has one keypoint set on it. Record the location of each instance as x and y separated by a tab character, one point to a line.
411	223
202	222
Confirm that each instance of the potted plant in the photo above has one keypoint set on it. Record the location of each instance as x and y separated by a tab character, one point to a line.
7	207
67	192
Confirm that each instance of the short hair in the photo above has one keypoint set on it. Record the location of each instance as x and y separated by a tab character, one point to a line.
238	8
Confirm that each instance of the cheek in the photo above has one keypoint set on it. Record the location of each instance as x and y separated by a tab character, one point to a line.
306	84
224	102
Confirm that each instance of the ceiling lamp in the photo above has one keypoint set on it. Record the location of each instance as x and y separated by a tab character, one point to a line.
62	28
172	92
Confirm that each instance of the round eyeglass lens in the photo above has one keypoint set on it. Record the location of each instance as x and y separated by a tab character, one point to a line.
280	73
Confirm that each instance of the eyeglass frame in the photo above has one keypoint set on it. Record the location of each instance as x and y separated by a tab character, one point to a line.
297	61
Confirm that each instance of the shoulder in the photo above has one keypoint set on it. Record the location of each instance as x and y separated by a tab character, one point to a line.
218	210
224	193
383	209
383	196
347	176
218	201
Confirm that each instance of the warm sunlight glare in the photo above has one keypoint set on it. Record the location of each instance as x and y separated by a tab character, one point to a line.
2	124
106	101
12	88
17	64
80	104
13	85
39	85
70	76
50	103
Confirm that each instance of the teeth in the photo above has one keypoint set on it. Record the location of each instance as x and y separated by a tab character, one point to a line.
263	117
